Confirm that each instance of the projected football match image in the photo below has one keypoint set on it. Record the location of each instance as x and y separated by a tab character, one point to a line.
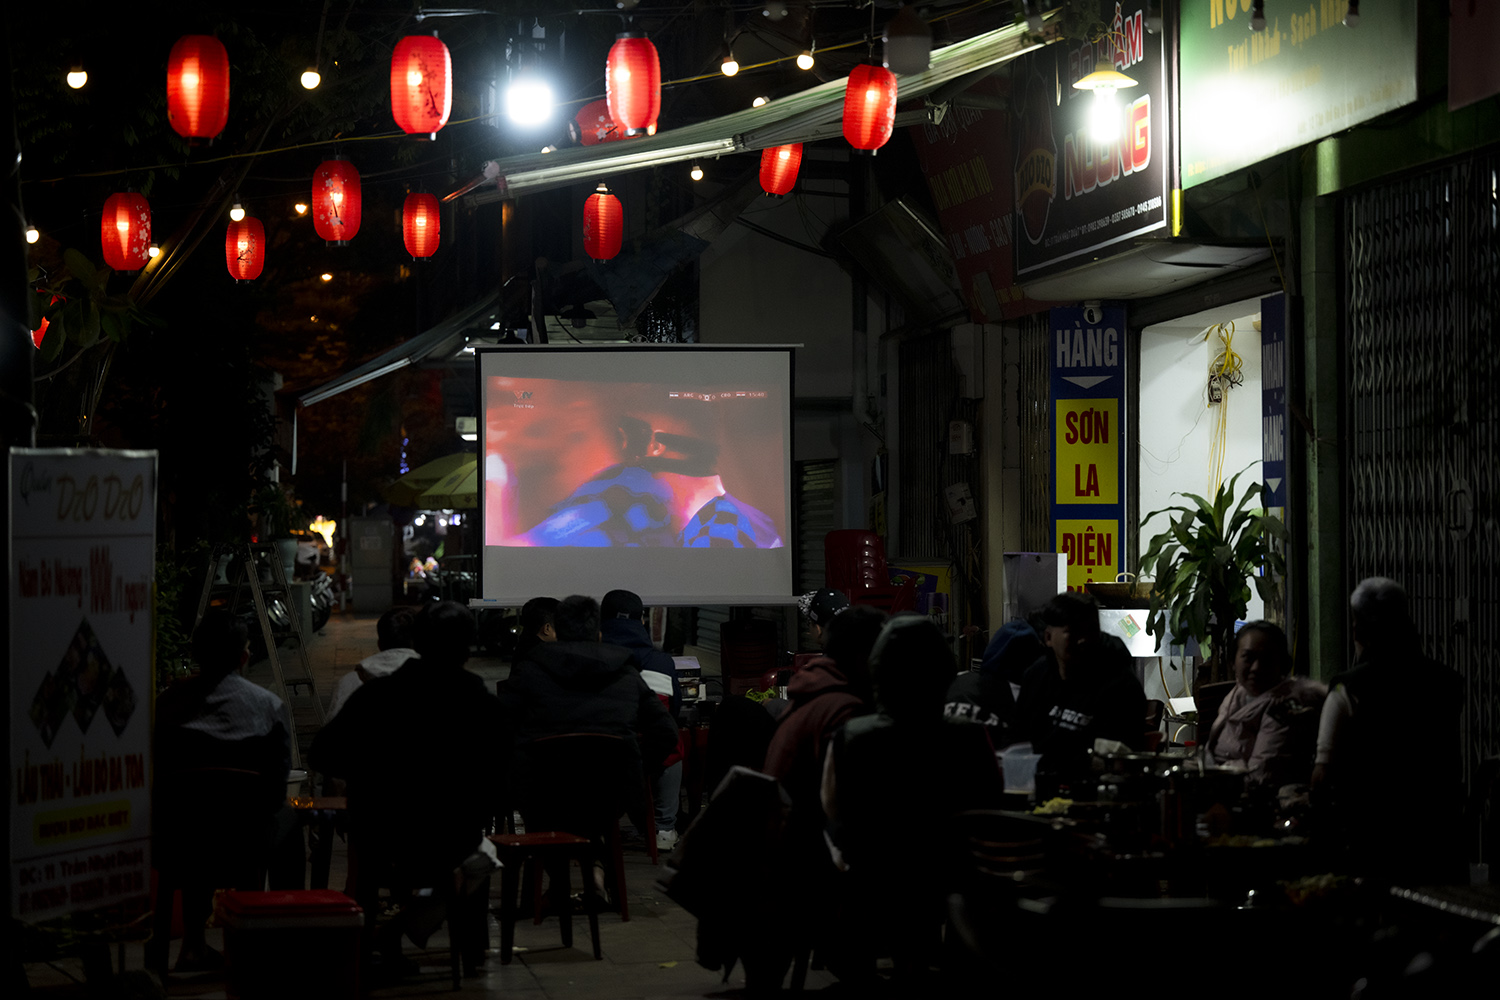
630	464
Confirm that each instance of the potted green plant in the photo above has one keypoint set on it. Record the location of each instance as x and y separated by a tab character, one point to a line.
1203	564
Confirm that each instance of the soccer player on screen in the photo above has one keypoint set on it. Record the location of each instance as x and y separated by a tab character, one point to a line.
666	475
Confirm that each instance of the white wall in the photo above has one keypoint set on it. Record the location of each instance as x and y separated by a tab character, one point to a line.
1175	420
756	290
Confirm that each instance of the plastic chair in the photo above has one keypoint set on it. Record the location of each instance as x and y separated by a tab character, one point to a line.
580	784
855	564
212	832
554	851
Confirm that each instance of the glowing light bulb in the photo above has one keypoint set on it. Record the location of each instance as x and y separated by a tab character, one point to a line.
421	221
696	173
729	66
123	225
805	60
237	213
311	78
189	80
872	94
243	245
413	78
784	154
338	197
1104	116
528	102
77	77
759	102
326	276
300	208
32	235
153	251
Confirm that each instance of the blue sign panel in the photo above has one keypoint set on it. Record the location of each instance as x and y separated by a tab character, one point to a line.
1273	398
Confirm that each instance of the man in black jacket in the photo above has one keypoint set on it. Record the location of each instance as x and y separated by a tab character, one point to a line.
1084	690
579	685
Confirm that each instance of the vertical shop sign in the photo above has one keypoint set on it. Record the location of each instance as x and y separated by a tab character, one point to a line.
1088	389
1076	190
83	527
1273	398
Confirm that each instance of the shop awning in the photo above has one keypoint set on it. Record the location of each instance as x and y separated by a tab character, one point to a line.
441	341
812	114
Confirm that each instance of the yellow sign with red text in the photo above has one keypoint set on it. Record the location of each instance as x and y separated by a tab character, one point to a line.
1092	547
1088	451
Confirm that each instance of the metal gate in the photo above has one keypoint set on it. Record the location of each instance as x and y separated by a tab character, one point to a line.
1422	441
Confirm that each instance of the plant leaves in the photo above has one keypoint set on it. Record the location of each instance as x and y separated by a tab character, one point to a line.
82	268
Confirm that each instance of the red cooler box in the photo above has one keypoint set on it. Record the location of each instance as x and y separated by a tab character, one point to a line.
291	943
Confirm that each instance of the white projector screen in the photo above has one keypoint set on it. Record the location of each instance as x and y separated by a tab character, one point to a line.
662	470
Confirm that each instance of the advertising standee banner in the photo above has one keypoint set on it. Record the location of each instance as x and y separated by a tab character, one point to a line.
82	529
1088	393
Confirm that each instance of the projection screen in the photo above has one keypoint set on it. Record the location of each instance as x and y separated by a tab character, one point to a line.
663	470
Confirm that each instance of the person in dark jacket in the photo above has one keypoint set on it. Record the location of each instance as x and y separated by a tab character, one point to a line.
416	748
824	695
1084	689
1387	782
622	622
904	765
580	685
984	695
223	755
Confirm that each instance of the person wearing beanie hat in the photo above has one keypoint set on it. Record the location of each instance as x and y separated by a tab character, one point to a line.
984	695
820	606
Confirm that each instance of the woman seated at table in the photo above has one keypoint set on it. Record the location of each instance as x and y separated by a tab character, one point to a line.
1268	724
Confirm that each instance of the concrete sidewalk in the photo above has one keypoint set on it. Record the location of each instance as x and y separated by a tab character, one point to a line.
651	956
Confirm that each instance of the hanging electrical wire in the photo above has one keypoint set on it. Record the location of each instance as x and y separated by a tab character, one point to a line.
1225	371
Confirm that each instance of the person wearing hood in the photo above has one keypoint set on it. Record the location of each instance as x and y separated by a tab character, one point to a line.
824	695
581	685
985	696
622	622
905	760
393	640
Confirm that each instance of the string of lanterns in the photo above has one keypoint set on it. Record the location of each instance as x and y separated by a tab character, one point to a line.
198	84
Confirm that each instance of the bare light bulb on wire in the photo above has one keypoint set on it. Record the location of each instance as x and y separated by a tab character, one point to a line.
77	77
311	78
730	65
237	213
696	173
805	60
32	235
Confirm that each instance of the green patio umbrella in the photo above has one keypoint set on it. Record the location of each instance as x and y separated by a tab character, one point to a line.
407	491
458	490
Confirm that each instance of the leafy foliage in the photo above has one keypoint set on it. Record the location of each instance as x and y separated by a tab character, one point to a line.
1203	563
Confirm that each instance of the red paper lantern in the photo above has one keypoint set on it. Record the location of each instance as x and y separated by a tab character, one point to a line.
198	87
125	231
595	125
603	225
869	107
420	224
421	85
245	249
336	201
778	168
632	82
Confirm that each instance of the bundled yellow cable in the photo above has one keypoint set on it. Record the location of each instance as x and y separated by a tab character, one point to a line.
1225	370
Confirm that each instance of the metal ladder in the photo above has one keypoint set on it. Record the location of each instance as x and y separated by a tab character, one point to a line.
257	568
